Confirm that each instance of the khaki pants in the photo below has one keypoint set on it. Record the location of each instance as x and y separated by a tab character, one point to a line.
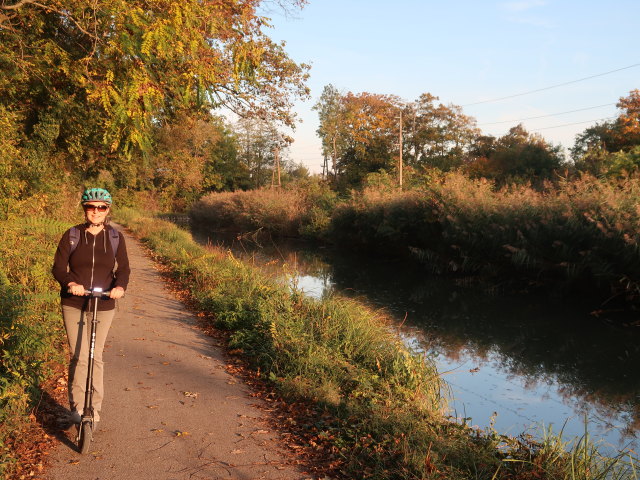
78	325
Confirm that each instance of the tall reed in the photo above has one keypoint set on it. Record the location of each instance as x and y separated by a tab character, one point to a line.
580	233
301	210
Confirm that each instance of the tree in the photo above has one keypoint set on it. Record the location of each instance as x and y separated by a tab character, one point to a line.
223	169
370	125
437	135
258	142
90	81
359	133
516	155
181	167
629	119
330	131
592	148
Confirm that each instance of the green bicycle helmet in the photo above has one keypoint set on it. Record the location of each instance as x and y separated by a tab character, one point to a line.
96	195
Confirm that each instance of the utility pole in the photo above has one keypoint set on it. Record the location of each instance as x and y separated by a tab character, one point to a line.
277	160
400	159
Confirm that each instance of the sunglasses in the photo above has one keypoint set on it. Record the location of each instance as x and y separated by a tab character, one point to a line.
100	208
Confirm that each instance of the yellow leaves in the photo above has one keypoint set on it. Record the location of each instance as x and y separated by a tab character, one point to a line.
146	46
137	17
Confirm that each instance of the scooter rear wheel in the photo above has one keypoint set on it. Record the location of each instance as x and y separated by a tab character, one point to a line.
84	440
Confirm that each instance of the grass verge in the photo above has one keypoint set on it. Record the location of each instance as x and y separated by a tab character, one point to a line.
31	333
384	408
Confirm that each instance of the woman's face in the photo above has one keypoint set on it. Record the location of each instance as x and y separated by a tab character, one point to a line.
95	212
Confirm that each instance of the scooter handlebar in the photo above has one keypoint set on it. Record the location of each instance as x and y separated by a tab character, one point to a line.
95	293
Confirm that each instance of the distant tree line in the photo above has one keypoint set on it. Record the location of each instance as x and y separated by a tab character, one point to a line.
361	134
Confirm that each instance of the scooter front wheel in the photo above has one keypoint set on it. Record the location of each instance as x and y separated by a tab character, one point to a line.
84	439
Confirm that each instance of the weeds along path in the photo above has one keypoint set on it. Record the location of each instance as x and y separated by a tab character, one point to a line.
171	411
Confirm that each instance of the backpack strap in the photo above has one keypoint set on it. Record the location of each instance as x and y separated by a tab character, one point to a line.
114	238
74	238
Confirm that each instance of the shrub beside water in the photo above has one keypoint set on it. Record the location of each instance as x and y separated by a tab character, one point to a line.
300	211
387	418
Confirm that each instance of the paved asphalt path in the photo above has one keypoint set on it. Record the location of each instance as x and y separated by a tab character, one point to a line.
171	411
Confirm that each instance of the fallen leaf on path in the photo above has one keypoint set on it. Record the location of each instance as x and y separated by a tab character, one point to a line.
152	406
178	433
190	394
157	430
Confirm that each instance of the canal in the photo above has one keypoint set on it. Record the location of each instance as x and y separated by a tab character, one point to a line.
520	363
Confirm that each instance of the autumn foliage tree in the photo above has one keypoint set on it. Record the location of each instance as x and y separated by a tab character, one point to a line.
437	135
611	147
85	84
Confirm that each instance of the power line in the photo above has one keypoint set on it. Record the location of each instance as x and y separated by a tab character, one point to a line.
549	115
575	123
552	86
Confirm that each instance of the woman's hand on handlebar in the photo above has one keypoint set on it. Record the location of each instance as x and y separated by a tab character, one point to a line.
75	289
116	292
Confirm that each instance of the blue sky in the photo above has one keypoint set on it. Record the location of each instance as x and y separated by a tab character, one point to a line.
469	51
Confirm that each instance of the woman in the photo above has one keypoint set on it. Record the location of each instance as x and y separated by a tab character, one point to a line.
85	259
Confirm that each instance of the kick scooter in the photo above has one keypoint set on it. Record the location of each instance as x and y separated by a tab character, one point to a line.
85	429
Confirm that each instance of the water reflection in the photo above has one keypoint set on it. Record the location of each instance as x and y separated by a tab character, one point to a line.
531	360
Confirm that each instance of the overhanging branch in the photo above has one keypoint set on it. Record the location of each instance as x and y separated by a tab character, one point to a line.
22	3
